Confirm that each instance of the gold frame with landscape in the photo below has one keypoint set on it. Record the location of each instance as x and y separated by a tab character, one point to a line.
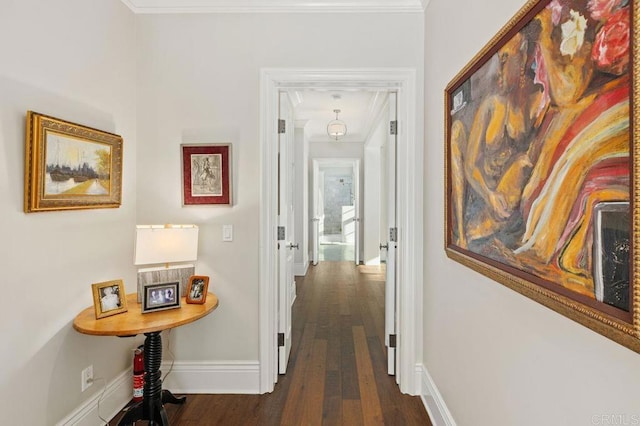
69	166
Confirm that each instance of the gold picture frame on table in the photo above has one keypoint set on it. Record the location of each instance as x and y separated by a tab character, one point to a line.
69	166
109	298
541	167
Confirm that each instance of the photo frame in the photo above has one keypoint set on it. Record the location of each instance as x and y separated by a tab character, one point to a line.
109	298
160	296
541	177
197	289
69	166
206	174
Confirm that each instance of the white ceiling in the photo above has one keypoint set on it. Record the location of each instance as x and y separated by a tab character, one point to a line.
241	6
361	111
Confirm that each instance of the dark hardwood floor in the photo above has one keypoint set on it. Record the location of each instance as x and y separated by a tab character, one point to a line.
337	370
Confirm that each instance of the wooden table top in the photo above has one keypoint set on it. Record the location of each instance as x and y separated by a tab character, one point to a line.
135	322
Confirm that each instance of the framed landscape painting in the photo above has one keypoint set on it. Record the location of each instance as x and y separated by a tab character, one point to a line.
69	166
206	174
541	164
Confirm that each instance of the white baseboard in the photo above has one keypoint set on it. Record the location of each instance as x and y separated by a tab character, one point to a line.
212	377
300	269
432	400
185	377
115	396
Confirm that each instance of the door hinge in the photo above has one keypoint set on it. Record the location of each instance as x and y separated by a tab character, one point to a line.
393	127
393	234
281	233
280	339
282	126
392	340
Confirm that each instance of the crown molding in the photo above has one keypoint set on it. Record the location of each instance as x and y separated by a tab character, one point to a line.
274	6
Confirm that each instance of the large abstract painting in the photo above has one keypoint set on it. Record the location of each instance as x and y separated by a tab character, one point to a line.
540	161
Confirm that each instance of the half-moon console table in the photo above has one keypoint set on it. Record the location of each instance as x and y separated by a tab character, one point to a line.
134	322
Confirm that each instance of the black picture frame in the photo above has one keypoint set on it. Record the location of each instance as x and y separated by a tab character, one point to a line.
160	296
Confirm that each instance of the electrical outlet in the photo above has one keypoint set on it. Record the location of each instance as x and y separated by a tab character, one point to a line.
87	378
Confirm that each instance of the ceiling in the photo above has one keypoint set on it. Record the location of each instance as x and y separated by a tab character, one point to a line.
361	111
251	6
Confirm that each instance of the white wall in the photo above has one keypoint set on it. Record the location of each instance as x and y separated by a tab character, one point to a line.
74	60
198	81
499	358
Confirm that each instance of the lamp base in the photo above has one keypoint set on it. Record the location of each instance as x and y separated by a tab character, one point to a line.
161	274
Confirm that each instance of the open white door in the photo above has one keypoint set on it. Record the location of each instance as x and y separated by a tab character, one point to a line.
286	240
391	285
317	209
356	207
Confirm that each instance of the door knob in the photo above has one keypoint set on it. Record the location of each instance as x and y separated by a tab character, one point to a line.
291	246
384	246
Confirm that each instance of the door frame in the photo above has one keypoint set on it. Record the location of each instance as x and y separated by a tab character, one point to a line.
354	163
410	208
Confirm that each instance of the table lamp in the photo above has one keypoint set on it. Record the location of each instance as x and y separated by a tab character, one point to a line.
170	245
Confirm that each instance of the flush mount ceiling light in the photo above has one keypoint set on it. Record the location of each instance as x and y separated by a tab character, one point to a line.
336	128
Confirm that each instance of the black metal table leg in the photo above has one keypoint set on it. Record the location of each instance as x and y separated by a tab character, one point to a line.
151	407
169	398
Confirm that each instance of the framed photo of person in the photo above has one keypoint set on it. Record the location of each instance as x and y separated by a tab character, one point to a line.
109	298
160	296
197	289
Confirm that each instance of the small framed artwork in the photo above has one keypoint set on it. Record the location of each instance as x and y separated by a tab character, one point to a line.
206	174
109	298
197	289
160	296
69	166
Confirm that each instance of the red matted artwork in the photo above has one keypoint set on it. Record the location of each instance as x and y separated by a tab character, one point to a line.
206	174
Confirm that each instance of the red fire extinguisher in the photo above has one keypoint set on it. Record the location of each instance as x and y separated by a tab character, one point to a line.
138	373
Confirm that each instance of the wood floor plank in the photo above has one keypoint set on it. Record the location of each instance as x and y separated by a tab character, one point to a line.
348	367
293	405
313	397
332	405
352	413
371	409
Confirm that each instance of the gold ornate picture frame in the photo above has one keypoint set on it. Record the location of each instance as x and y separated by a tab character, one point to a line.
69	166
541	178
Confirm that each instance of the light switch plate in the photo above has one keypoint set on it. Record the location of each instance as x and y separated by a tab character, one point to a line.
227	232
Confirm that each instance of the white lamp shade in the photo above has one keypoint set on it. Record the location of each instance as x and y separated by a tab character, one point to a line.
165	244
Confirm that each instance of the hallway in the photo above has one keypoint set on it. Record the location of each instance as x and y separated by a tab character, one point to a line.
336	252
337	371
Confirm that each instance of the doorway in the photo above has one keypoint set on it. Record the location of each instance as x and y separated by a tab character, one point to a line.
409	268
335	205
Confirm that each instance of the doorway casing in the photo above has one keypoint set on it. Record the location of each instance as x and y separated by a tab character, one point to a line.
409	220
